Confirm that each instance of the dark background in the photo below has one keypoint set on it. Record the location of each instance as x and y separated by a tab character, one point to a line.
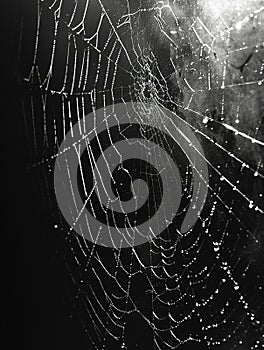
39	315
40	311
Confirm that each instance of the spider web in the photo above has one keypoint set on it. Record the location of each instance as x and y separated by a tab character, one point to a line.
204	62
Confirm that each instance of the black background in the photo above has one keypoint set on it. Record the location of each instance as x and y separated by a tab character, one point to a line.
39	315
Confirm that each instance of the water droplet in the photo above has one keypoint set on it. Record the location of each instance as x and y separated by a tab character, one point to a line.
205	120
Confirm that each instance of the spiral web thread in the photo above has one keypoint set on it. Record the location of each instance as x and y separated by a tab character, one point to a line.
79	56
